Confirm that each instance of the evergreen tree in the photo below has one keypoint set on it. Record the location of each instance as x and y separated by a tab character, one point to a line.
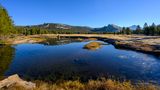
153	29
145	25
138	30
123	30
147	31
6	23
128	31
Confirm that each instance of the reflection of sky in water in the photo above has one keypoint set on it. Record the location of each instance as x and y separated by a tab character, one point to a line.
145	62
71	59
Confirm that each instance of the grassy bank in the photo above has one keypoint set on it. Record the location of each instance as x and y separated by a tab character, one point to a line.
102	84
140	43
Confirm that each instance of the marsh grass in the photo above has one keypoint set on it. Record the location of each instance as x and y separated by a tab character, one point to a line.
103	84
93	45
2	42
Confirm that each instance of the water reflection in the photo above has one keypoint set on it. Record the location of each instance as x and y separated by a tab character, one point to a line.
62	41
67	60
6	56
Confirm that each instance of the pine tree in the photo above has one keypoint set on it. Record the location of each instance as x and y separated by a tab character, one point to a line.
6	23
138	30
153	29
128	31
145	25
123	30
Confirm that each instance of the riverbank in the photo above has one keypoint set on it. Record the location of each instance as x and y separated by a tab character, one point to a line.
14	82
20	39
146	44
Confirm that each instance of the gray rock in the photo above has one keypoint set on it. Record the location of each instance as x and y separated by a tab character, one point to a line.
15	80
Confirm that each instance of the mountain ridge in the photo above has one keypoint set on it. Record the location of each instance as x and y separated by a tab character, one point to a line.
59	26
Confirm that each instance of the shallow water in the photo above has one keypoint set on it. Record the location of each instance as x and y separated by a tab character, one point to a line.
69	60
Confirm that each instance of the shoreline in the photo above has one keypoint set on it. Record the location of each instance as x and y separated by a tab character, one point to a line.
142	44
145	44
14	82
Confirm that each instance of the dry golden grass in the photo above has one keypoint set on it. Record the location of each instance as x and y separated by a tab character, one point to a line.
92	45
91	85
151	40
97	85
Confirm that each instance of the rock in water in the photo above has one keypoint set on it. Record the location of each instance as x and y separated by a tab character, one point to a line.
15	80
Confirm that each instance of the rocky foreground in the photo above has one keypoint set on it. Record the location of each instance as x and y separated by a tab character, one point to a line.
15	80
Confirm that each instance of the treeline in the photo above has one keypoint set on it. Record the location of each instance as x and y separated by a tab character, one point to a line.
30	31
37	30
152	30
146	30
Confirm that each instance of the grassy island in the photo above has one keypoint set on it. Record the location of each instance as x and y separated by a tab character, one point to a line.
93	46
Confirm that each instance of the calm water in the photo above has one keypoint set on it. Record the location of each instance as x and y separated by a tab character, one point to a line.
70	61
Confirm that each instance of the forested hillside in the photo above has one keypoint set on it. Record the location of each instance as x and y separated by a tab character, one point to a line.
52	28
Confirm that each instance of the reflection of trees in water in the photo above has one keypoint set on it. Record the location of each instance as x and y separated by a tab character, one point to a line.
6	55
62	72
60	75
62	41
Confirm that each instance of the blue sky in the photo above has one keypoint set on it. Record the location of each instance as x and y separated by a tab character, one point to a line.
94	13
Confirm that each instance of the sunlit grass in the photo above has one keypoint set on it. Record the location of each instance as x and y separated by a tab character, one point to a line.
2	42
103	84
92	45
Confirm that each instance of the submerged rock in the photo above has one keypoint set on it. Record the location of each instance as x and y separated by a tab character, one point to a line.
15	80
